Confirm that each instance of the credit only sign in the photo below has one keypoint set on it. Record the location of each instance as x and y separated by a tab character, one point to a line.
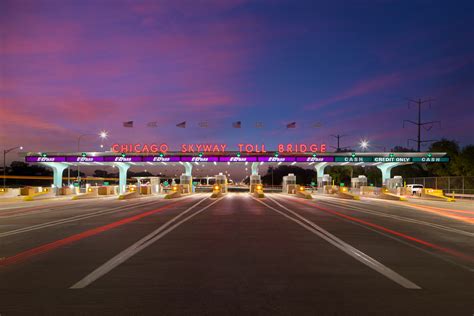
392	159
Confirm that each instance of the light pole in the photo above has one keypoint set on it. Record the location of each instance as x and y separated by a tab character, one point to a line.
5	152
103	135
364	144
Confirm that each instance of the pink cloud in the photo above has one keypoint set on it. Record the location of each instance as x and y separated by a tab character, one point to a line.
28	34
385	81
25	118
361	88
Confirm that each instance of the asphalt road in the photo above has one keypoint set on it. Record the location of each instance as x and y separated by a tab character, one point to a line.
236	255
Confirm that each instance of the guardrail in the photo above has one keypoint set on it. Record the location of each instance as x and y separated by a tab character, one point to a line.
449	184
460	196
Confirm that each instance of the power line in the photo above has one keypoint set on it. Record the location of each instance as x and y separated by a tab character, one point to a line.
420	124
338	137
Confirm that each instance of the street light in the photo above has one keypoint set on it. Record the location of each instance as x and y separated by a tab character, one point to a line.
103	135
364	144
5	152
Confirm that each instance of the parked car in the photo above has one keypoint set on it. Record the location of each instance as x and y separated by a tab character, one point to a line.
415	189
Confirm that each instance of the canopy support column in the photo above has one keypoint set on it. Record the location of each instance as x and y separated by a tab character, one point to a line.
123	168
58	169
386	169
319	167
255	168
188	168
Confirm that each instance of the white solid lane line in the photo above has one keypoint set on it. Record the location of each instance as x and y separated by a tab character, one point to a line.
345	247
140	245
74	218
402	218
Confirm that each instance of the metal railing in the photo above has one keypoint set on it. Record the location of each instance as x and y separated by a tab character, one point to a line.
458	185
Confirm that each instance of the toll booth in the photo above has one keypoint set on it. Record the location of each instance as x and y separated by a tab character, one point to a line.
324	180
255	181
360	181
148	185
393	183
155	185
289	184
221	183
186	183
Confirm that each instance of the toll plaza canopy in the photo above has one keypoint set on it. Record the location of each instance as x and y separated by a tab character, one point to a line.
385	161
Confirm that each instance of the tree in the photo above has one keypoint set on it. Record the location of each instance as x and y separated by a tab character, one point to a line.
450	147
132	174
340	174
104	174
303	176
465	162
20	168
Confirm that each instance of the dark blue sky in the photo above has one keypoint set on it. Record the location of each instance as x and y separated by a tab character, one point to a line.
72	67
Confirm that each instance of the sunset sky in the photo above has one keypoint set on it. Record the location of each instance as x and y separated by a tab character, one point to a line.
73	67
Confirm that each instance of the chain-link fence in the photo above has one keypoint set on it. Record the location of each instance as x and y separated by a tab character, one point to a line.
458	185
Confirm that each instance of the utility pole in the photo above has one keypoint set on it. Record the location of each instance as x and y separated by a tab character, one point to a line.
338	137
419	123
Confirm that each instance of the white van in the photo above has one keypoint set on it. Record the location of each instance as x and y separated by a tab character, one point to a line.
415	189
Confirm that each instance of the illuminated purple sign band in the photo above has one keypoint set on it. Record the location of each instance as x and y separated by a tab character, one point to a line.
237	159
315	159
276	159
161	159
200	159
45	159
84	159
122	159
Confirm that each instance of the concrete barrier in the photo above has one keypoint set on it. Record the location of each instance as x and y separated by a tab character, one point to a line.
46	193
385	194
106	190
9	193
216	191
258	194
65	191
302	193
145	190
129	195
28	191
330	189
433	194
216	195
92	192
345	194
173	195
368	191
